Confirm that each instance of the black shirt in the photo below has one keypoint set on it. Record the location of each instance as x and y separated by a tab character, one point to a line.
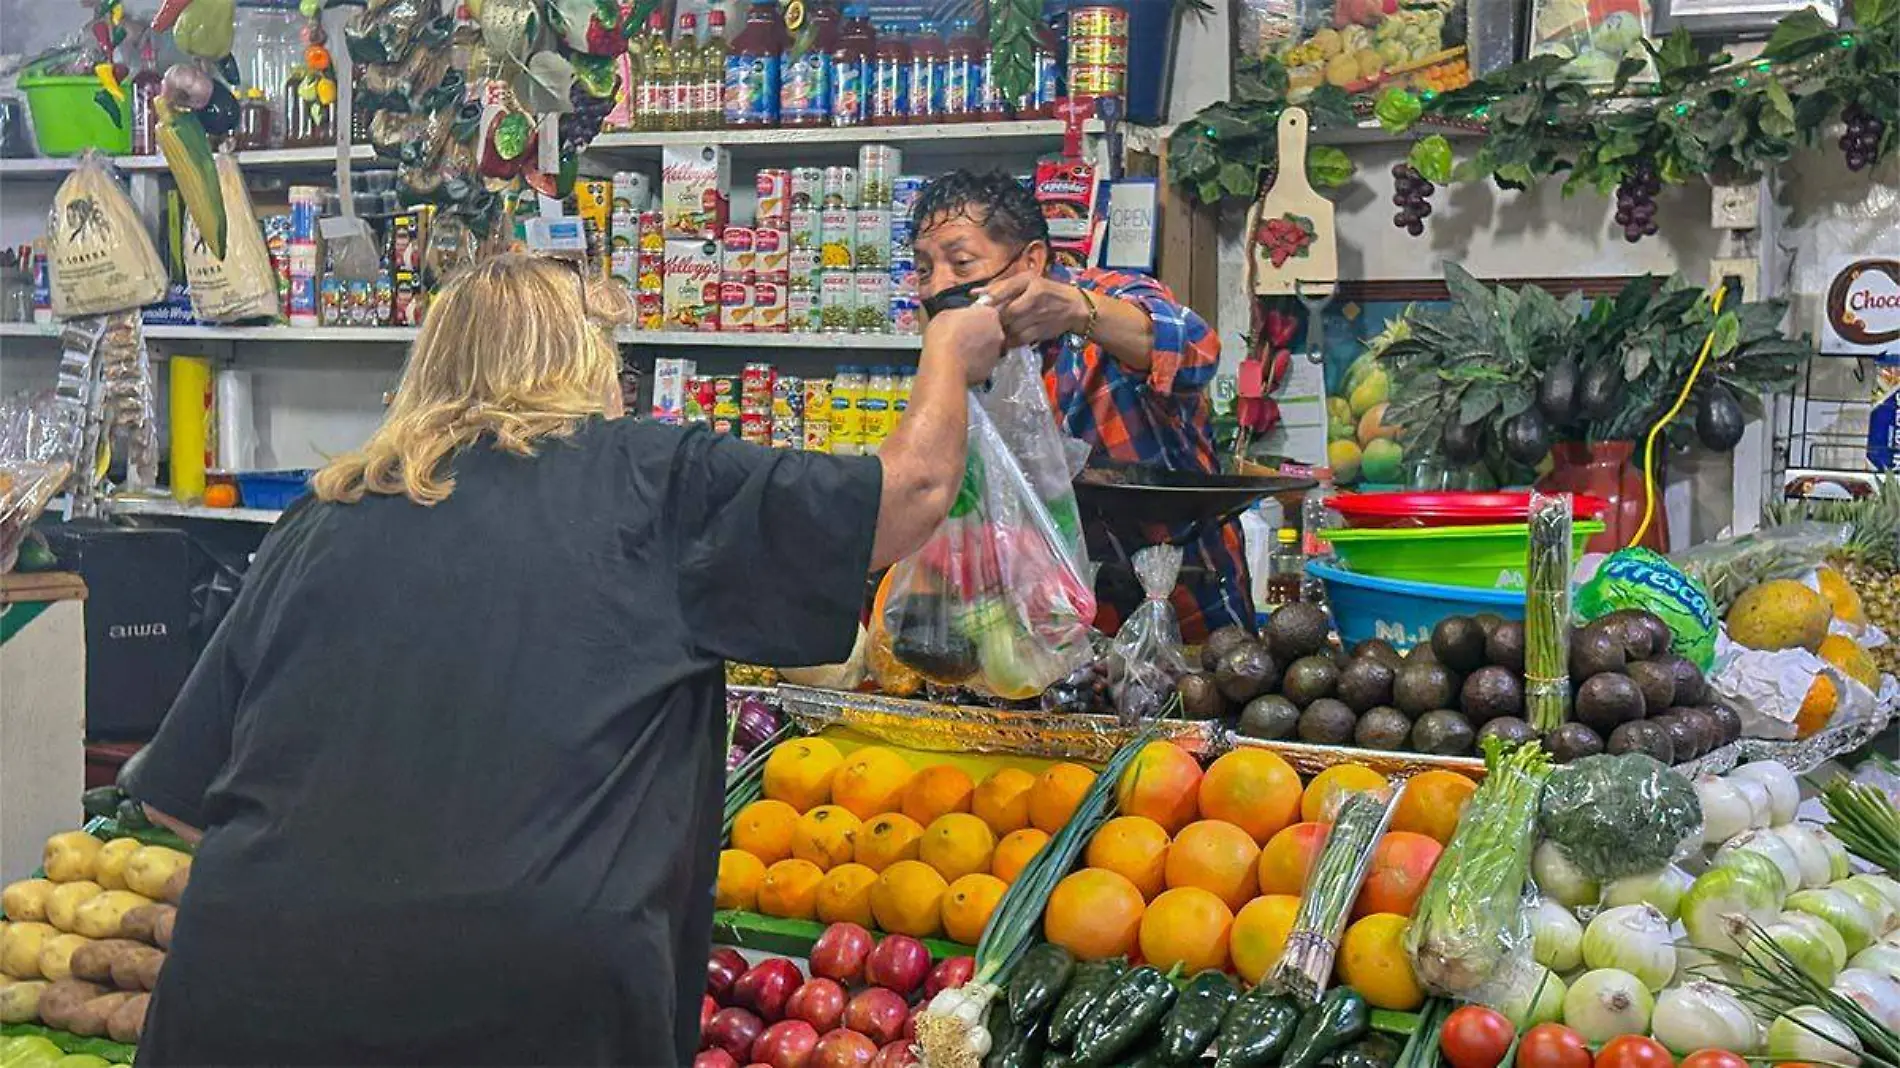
460	767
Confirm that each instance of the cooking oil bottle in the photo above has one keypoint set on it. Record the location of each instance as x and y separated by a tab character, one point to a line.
687	72
655	76
712	73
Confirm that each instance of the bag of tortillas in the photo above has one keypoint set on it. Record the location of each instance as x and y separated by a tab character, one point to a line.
102	259
242	285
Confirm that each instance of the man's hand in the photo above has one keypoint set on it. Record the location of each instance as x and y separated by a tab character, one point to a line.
974	335
1036	309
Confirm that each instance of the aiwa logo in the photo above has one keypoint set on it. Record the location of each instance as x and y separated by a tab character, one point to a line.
121	631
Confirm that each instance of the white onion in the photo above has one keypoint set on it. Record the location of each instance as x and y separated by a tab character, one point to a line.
1770	845
1633	938
1841	911
1722	903
1558	935
1839	864
1662	889
1755	866
1605	1003
1534	995
1813	945
1760	805
1784	793
1879	909
1703	1015
1725	812
1805	1033
1878	994
1809	853
1560	879
1693	965
1880	958
1882	886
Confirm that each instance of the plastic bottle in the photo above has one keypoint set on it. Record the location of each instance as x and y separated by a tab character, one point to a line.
1286	575
654	74
851	68
847	417
711	100
805	92
880	407
928	58
963	73
266	48
1315	516
144	90
752	67
890	79
1047	87
991	95
682	105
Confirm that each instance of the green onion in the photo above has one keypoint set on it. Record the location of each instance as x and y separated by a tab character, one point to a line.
1421	1046
1307	962
746	781
1865	822
1547	613
1772	983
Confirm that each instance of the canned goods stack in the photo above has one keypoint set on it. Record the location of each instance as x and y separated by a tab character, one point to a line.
851	414
1098	51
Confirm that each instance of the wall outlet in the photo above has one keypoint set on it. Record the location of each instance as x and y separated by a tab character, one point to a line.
1735	207
1738	267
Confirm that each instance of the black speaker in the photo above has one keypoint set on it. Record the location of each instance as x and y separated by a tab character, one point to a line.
138	622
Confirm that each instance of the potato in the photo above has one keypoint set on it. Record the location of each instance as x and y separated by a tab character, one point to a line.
25	900
137	969
70	857
59	1001
162	934
20	954
109	868
100	917
93	961
127	1022
62	905
149	868
173	892
56	956
141	924
90	1020
20	1000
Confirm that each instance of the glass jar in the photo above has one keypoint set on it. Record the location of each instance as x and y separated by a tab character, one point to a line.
267	47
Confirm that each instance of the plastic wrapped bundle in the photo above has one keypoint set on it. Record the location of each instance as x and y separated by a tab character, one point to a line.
1149	643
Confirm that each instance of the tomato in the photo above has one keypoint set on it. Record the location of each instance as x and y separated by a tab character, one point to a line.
1634	1051
1550	1045
1713	1058
1476	1037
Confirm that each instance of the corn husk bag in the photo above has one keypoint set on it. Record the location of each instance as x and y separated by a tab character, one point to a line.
102	259
241	284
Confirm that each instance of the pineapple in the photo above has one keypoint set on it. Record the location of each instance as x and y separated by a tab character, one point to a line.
1870	561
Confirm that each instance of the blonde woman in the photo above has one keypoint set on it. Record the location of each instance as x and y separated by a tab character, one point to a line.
457	751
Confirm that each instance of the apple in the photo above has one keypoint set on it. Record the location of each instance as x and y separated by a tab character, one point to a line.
895	1055
723	968
951	973
786	1044
715	1058
840	953
820	1002
878	1014
899	963
733	1031
707	1007
843	1049
764	987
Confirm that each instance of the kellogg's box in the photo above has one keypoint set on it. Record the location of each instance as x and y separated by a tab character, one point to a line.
691	281
695	191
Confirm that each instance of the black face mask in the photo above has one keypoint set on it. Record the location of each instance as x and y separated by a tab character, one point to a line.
963	294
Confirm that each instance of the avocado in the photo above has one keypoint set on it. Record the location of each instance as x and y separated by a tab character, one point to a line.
1327	722
1691	687
1308	679
1600	390
1458	642
1462	443
1379	649
1200	699
1642	736
1607	701
1383	727
1527	437
1706	732
1420	688
1728	722
1557	393
1269	716
1443	733
1510	730
1662	639
1719	420
1504	645
1421	653
1296	630
1657	682
1366	682
1488	622
1639	641
1684	736
1491	692
1221	642
1595	651
1245	672
1572	741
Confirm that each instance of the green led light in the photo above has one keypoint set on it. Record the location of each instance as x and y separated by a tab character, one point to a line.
1429	94
1682	109
1483	109
1762	65
1741	81
1847	40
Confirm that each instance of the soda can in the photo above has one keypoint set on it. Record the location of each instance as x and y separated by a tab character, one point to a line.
788	432
774	188
736	255
755	385
903	238
801	268
735	304
817	435
837	238
836	301
906	314
872	245
878	166
871	301
906	190
803	227
788	396
904	279
808	187
756	428
840	188
772	251
768	311
801	311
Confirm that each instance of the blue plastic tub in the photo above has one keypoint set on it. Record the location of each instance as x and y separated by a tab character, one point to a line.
275	490
1402	612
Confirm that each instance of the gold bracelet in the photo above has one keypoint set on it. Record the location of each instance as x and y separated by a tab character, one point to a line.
1088	332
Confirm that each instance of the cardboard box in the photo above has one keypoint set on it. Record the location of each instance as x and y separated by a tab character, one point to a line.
671	384
696	191
691	281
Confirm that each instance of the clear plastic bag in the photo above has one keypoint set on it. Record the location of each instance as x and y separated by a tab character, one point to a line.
241	285
1622	814
1727	566
39	435
1149	643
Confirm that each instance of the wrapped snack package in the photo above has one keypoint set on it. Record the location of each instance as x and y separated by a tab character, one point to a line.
242	283
102	258
1641	579
1149	643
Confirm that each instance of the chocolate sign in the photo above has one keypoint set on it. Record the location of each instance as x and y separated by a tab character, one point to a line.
1862	312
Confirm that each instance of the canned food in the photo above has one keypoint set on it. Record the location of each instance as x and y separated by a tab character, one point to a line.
840	188
649	311
1103	21
878	166
903	237
736	255
803	227
905	191
837	238
771	254
756	427
906	314
808	187
801	268
755	384
774	188
903	279
788	396
1098	81
735	305
871	302
1098	51
768	311
836	301
872	247
652	232
801	311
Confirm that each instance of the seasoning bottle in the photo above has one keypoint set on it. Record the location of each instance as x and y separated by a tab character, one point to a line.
752	67
1286	569
253	131
851	68
928	59
990	93
890	79
878	408
805	91
847	422
653	60
144	90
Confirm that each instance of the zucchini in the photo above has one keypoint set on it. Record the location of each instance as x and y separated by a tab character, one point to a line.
1091	981
1132	1009
1196	1017
1341	1018
1040	979
1257	1030
101	801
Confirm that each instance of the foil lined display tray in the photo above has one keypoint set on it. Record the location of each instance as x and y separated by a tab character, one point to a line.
1801	755
1309	760
947	728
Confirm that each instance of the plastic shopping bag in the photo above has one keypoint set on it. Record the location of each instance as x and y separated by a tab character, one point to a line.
1149	643
999	600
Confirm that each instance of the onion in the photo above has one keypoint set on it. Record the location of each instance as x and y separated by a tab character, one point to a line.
1557	877
756	723
1559	937
1703	1015
1879	958
1662	889
1725	812
1694	964
1805	1033
1606	1003
1634	939
1839	864
1760	805
1878	994
1772	846
1813	945
1755	866
1722	903
1841	911
1868	887
1534	996
1809	853
1784	793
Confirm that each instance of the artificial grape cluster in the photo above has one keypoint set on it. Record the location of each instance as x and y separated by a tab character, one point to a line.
1862	138
1636	202
1410	193
580	126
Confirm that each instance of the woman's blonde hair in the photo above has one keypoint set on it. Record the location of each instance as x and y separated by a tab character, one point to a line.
515	349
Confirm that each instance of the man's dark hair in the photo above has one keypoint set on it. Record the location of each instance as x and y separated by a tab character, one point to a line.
1005	208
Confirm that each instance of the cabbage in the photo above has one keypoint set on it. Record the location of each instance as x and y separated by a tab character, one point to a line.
1722	903
1841	911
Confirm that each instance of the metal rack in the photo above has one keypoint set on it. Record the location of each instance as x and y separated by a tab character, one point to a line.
1821	425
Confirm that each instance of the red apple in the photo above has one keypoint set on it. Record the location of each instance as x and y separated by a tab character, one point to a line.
899	963
707	1007
910	1025
951	973
877	1013
840	953
843	1049
786	1044
764	988
820	1002
715	1058
895	1055
733	1031
723	968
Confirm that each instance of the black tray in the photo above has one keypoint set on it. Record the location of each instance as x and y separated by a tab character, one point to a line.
1127	507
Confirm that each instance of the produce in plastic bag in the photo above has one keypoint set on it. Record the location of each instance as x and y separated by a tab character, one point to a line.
38	437
1727	566
241	284
1639	578
1620	815
1149	643
101	257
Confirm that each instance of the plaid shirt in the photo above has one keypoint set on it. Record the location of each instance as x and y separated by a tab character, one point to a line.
1161	417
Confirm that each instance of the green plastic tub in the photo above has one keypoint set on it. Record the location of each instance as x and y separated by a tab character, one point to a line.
1480	558
66	118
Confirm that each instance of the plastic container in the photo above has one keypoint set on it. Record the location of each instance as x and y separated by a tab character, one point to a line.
890	79
1449	508
752	67
66	118
1484	558
1403	613
272	489
929	57
805	89
851	69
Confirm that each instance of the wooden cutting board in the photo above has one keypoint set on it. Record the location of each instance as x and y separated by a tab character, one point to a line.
1290	228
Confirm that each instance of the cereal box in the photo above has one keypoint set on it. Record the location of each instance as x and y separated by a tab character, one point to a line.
691	285
695	190
671	389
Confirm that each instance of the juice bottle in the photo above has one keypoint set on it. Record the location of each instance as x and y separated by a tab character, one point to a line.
1047	88
851	68
847	423
655	75
991	109
752	67
682	105
928	58
805	90
963	73
890	79
710	102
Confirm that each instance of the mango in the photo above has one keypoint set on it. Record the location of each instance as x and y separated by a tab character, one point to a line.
1343	457
1779	614
1383	461
1370	392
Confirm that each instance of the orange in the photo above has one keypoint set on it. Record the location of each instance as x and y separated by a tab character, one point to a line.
1186	926
221	495
1163	783
871	781
1288	856
1373	961
1134	847
739	876
1015	851
1431	804
1252	789
790	889
1002	799
845	895
1093	914
1823	697
764	829
958	844
1321	796
908	899
1056	794
1259	934
825	836
799	772
1217	857
967	906
938	790
1402	864
885	840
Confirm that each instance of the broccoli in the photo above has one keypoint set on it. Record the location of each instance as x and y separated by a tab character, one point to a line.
1618	815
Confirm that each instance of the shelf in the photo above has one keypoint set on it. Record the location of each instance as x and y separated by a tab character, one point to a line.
946	137
861	342
268	159
165	506
403	335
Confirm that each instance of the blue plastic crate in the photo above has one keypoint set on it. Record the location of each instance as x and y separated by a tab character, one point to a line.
1403	613
274	490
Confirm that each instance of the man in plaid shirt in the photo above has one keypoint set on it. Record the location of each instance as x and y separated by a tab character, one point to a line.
1127	367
